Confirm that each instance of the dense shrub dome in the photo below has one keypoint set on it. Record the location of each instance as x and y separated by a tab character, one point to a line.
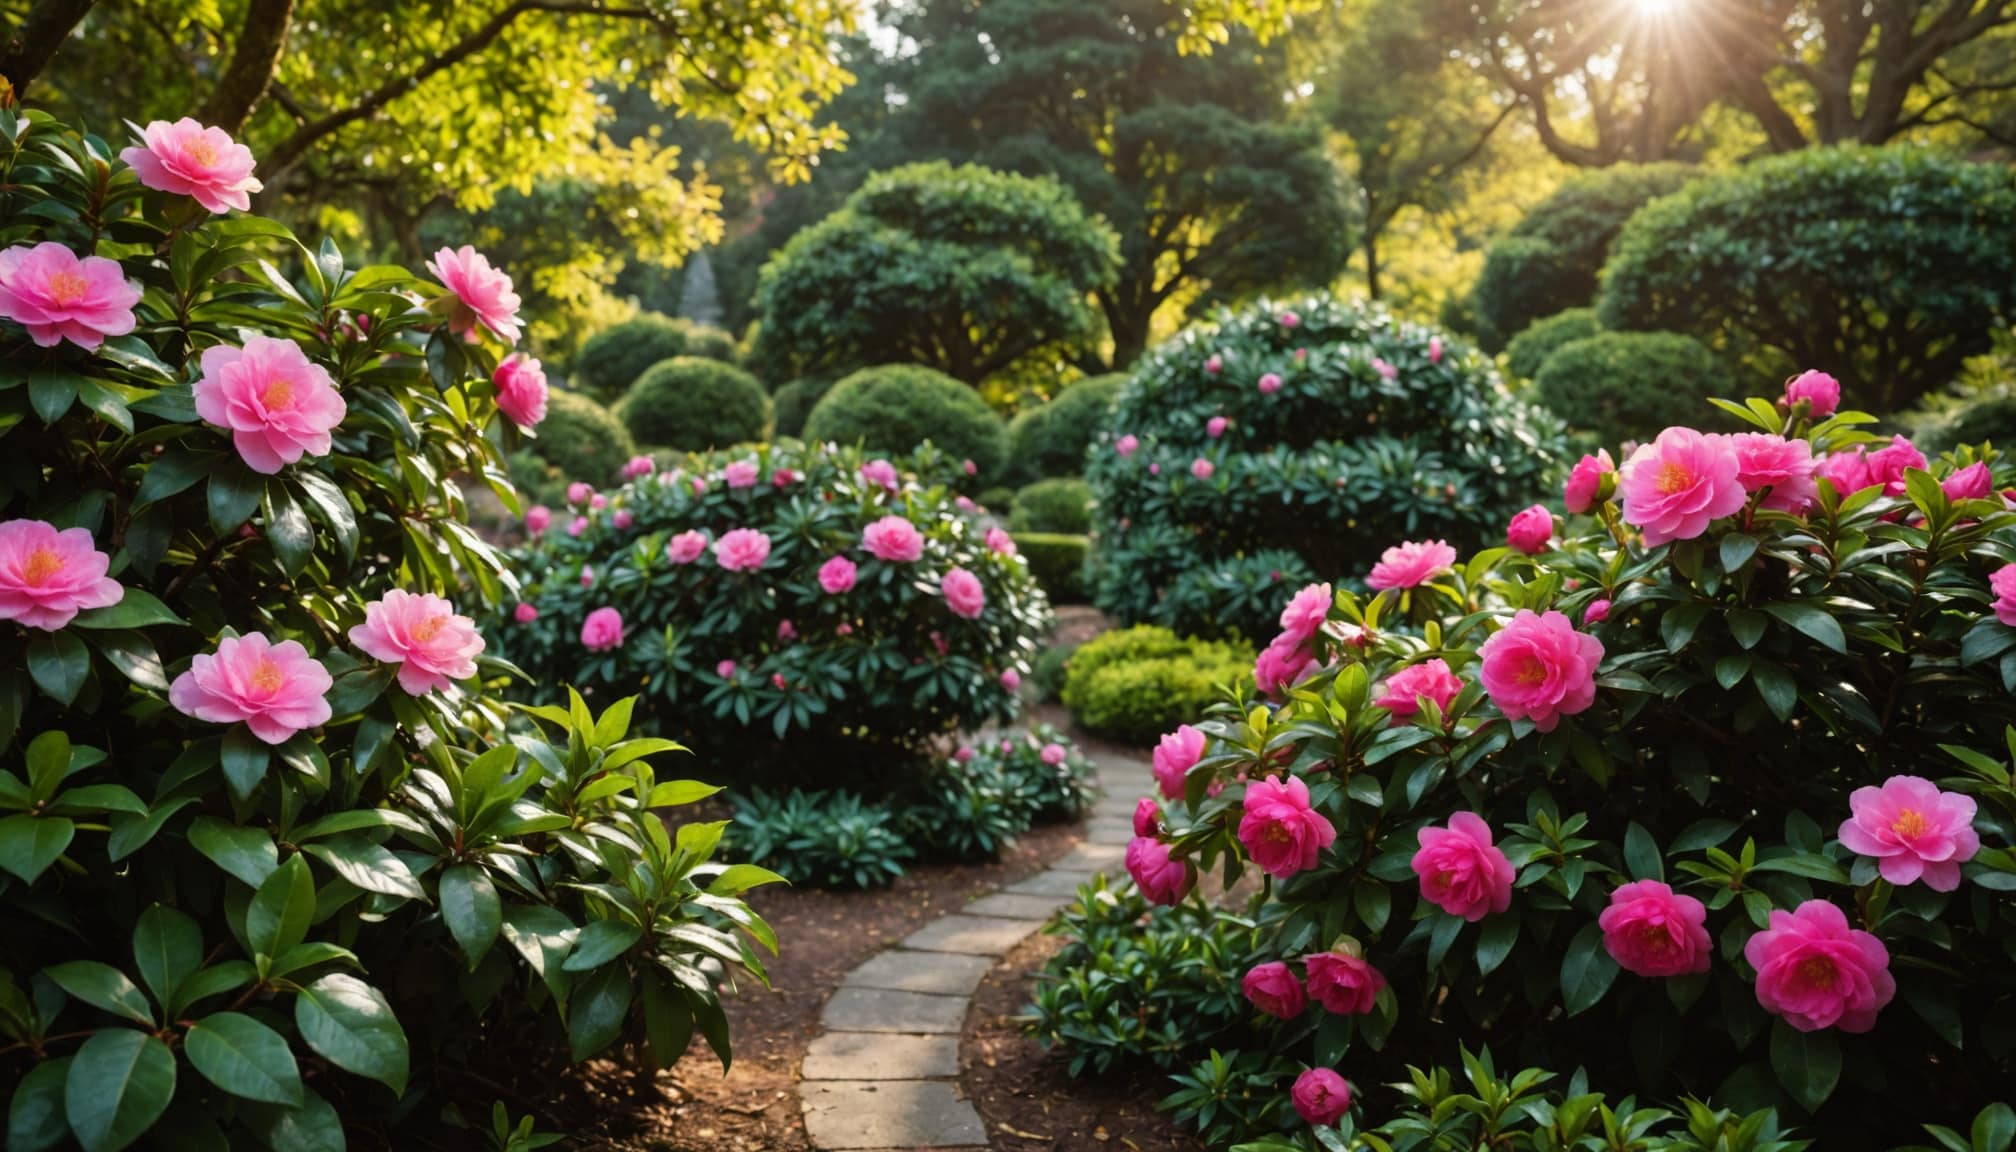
1629	385
897	407
1293	438
1135	683
792	404
807	613
1528	351
1051	439
694	404
1060	505
610	361
580	440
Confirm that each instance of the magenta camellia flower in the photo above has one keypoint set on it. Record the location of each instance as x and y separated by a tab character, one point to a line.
1652	931
622	519
1405	688
1321	1097
1162	880
1215	427
277	404
639	465
2002	582
1540	668
1053	754
742	550
686	547
894	539
1175	754
1214	364
47	576
1385	369
1343	982
1530	530
1411	564
524	613
275	690
579	492
964	755
1597	612
538	518
1306	611
1462	872
1270	383
741	474
1584	489
1821	392
1816	972
521	389
1913	831
1434	350
1202	468
963	593
1674	487
1126	445
187	159
432	645
783	478
1147	817
598	502
837	575
881	472
1281	832
483	294
787	631
969	467
1273	989
602	630
1765	460
56	296
1888	464
1973	482
1000	543
1011	679
577	526
1282	664
725	669
587	576
1289	320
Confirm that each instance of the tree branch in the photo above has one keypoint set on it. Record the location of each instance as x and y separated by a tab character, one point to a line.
29	50
255	55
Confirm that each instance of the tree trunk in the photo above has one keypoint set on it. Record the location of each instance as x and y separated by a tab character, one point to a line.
29	50
1127	322
254	58
1371	250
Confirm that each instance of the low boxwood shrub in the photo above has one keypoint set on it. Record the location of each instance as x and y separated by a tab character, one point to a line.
824	839
809	612
1529	350
792	404
897	407
693	404
1057	561
1060	505
1135	683
1294	438
1051	439
610	361
1619	386
1047	675
579	440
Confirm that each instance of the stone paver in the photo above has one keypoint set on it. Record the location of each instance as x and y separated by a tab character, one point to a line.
1109	831
972	935
1016	906
881	1056
884	1010
936	972
1055	882
1094	858
843	1114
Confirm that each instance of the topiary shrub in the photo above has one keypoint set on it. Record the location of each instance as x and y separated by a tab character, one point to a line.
1868	263
693	404
1059	505
270	865
1293	438
1051	439
1550	802
1057	561
610	361
895	408
762	598
1136	683
711	344
793	403
578	440
1529	350
1621	386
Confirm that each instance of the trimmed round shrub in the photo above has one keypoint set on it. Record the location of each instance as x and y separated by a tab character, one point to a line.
1057	560
896	407
610	361
1345	432
1868	263
712	344
733	639
694	404
1622	386
1137	683
580	440
1529	350
792	404
1051	439
1052	506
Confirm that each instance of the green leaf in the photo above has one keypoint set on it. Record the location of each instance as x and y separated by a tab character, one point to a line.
133	655
1737	549
246	853
168	949
351	1026
676	792
245	760
1994	1128
1641	854
668	1022
136	609
739	878
369	866
52	393
29	844
313	1127
233	496
281	910
1776	686
1808	864
102	986
48	764
1495	940
1808	1063
118	1085
1587	970
244	1057
600	942
595	1018
174	471
59	662
216	980
288	529
470	906
35	1121
1814	621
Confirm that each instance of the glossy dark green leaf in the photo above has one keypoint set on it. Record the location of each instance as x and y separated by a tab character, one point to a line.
102	986
349	1023
471	909
596	1013
167	949
1808	1064
247	853
35	1119
244	1057
29	844
280	911
59	662
601	941
119	1083
137	608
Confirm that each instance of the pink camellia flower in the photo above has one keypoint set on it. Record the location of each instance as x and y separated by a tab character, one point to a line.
1321	1097
1202	468
964	504
1147	817
1000	543
276	690
1888	464
741	474
1434	349
843	629
602	630
742	550
1215	427
699	486
1126	445
187	159
837	575
587	576
1282	664
2002	582
1530	529
277	404
1847	471
578	526
521	389
1912	830
1584	489
1597	612
1674	487
1214	364
786	631
1052	754
432	645
783	478
483	294
1973	482
686	547
524	613
963	593
1270	383
1766	460
1273	989
538	518
48	576
1281	832
1821	392
963	755
578	493
1411	564
969	467
1179	751
894	539
1540	668
1289	320
1160	879
1384	369
1462	872
1817	972
1652	931
1306	611
881	472
777	681
1430	678
623	519
1343	983
1154	469
1011	679
725	669
598	501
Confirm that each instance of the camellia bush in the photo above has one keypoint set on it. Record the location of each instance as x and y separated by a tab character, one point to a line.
1292	439
272	875
821	615
1701	793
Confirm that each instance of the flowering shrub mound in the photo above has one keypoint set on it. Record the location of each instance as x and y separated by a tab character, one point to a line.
1703	790
817	614
896	408
257	809
1288	440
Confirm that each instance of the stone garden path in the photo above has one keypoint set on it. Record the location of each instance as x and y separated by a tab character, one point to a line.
885	1073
